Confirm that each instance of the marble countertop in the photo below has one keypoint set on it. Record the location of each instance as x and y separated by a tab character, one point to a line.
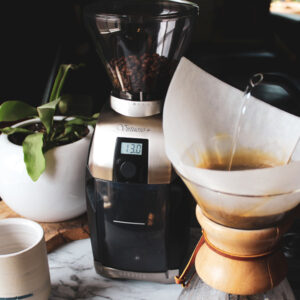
73	277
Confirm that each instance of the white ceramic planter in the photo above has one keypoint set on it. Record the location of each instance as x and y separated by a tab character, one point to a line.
59	193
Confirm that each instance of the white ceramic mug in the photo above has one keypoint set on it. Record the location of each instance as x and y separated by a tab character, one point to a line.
24	270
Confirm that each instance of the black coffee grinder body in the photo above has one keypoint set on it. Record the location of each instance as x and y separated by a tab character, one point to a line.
138	211
127	241
137	208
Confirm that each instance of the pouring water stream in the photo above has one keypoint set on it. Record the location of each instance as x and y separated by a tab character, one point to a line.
294	149
254	81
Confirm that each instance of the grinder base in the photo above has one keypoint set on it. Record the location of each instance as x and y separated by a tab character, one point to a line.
160	277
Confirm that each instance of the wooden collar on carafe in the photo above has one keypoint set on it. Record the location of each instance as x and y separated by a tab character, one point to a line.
189	271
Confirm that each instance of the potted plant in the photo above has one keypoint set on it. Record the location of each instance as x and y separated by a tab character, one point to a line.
42	159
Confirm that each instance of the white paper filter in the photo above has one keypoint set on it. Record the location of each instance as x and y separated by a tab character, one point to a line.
201	114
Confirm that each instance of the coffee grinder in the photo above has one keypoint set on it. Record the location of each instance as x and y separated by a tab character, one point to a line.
134	200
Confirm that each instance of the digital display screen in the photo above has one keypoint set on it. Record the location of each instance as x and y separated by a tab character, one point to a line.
131	148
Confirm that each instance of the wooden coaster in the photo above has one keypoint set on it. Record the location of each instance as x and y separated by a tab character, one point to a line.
56	234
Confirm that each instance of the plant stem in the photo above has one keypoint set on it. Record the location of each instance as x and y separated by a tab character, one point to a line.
59	81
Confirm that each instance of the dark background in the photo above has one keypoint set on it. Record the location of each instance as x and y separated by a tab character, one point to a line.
233	39
36	36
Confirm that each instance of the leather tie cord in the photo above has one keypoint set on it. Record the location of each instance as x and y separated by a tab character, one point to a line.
188	273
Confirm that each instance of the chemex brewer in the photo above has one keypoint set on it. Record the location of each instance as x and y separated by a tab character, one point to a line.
246	186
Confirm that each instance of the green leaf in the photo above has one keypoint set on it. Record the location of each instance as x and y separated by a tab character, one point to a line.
12	130
60	79
82	120
46	113
75	104
76	121
34	156
67	130
16	110
96	116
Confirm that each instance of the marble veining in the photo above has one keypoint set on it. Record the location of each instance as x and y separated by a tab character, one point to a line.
73	277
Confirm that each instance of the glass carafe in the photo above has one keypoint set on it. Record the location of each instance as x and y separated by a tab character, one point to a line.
198	290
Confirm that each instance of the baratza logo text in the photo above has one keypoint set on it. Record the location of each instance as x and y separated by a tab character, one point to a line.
128	128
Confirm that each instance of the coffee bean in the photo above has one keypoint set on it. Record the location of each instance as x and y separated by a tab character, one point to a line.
147	73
